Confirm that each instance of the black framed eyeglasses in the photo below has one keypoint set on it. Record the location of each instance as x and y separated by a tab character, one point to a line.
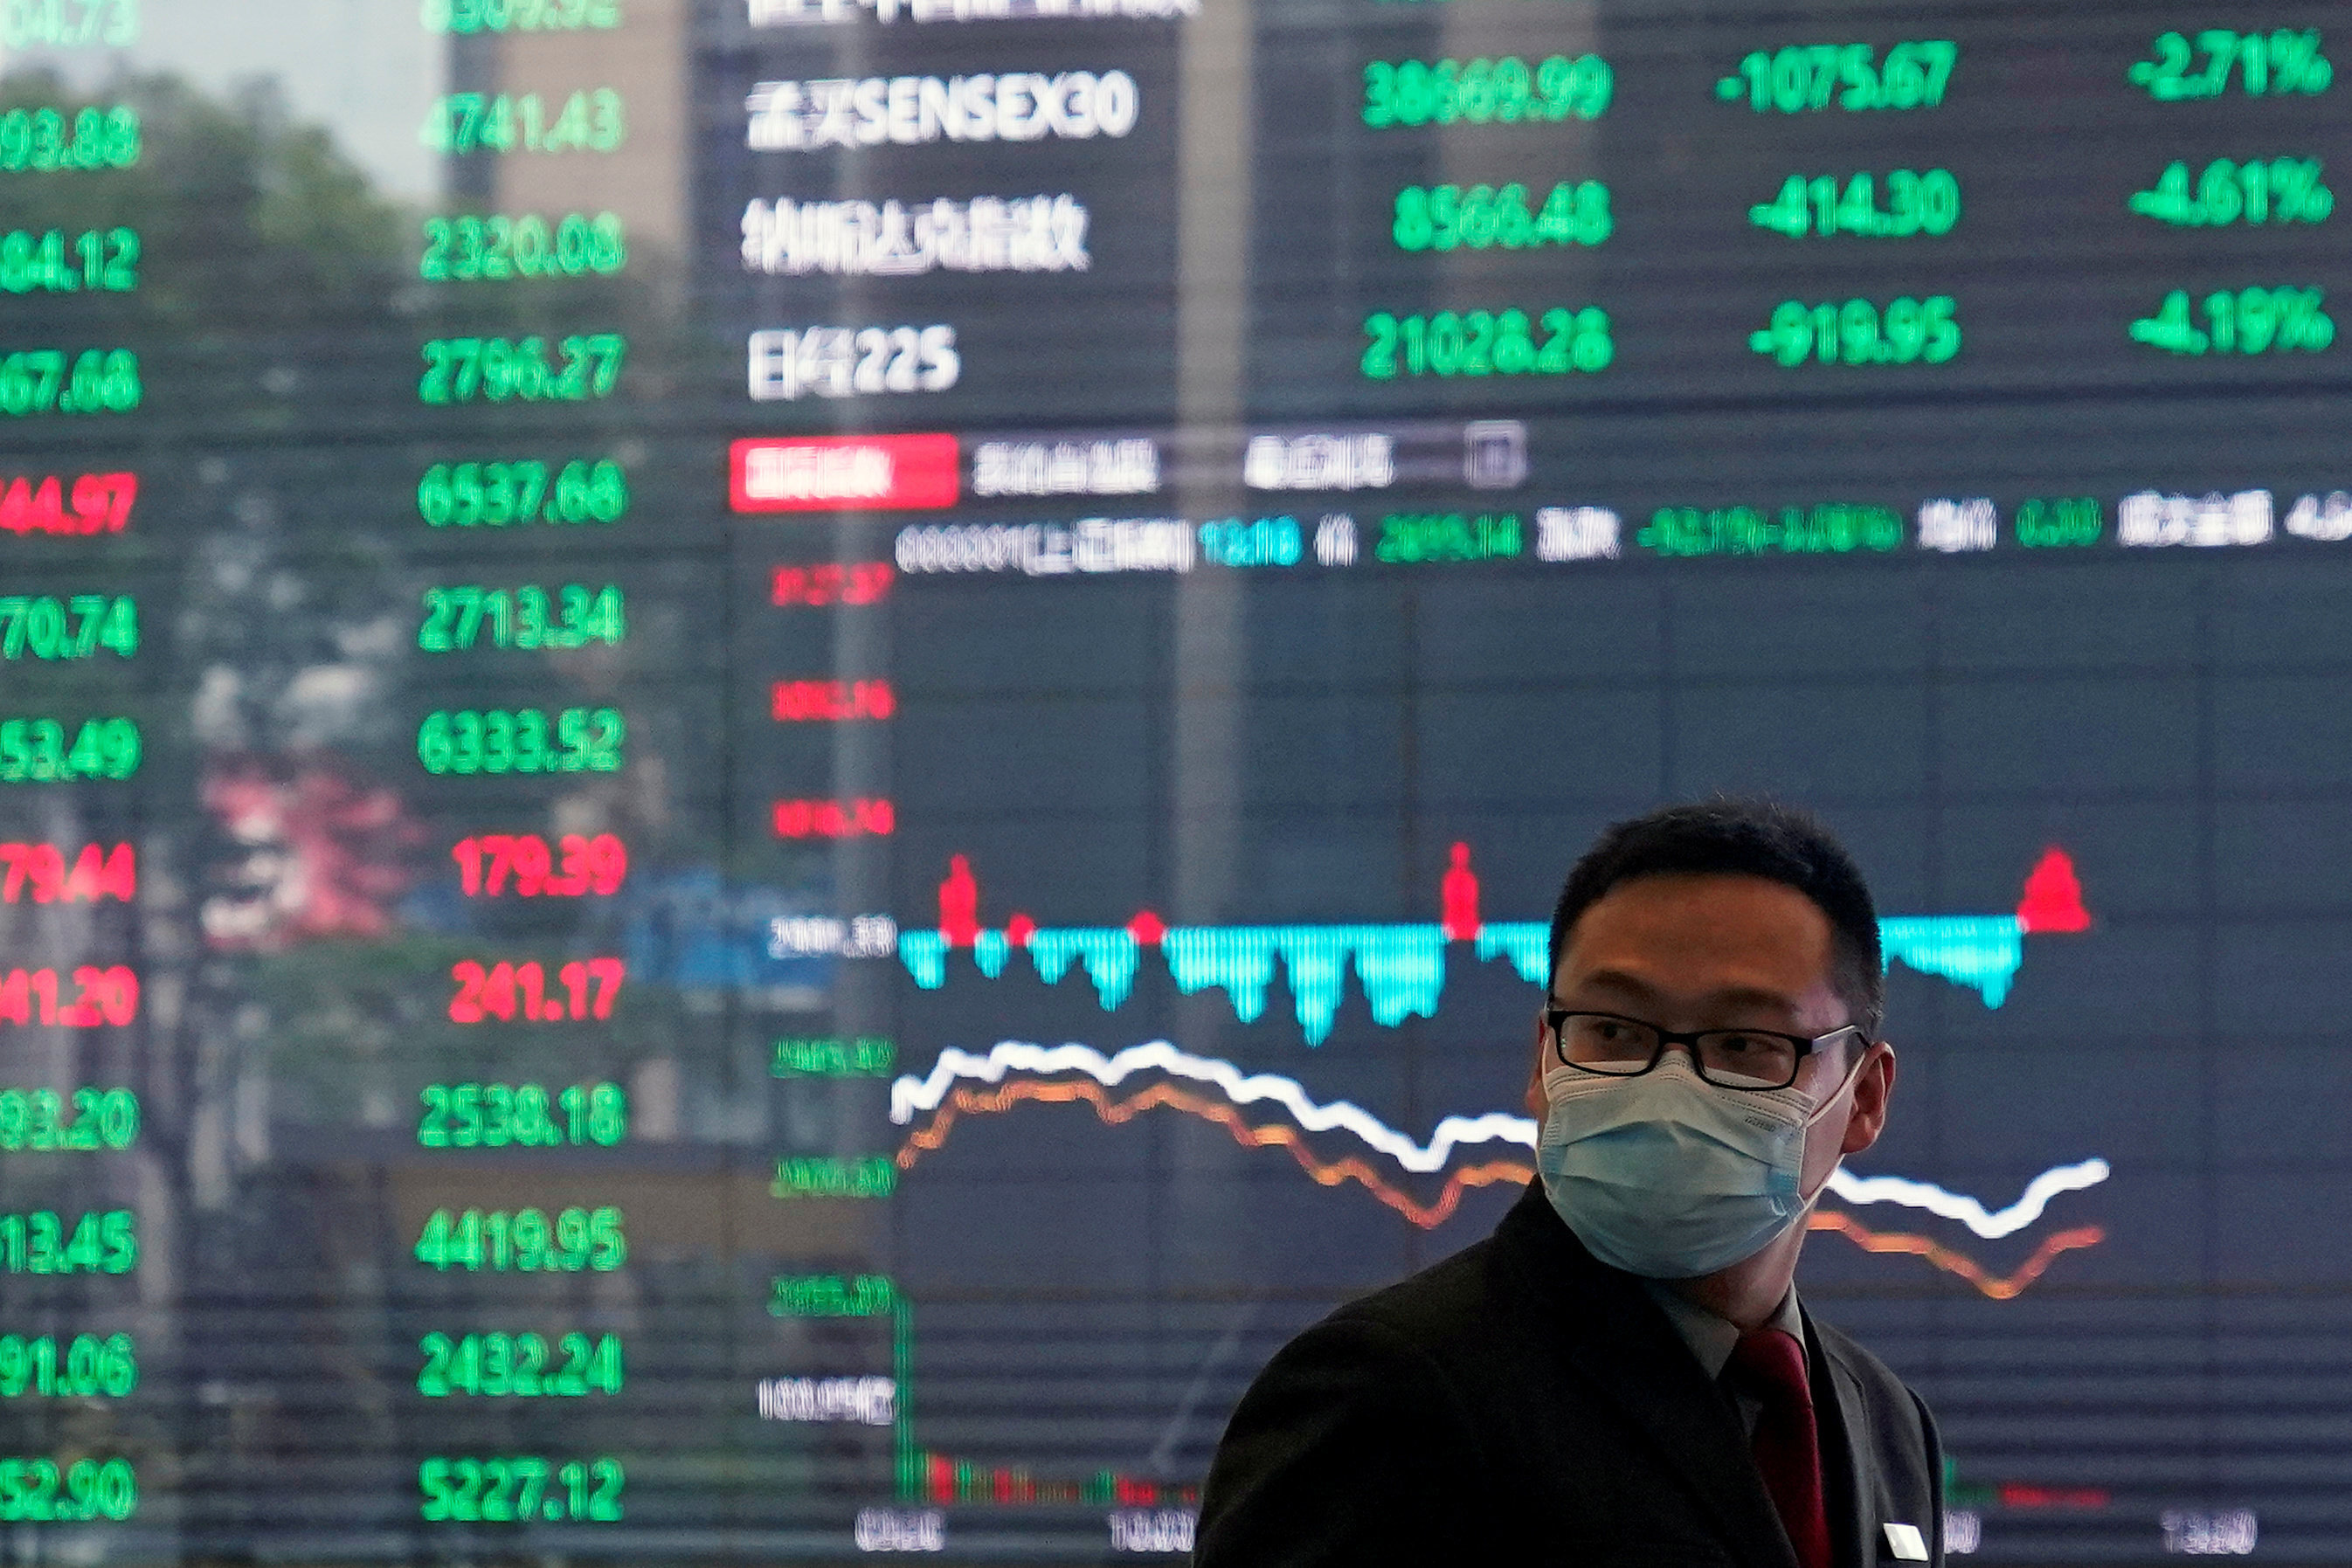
1613	1046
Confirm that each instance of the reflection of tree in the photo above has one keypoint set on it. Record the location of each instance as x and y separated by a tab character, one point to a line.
246	222
263	252
295	841
278	320
294	211
258	246
278	289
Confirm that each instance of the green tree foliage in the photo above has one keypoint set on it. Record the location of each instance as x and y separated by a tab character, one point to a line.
242	214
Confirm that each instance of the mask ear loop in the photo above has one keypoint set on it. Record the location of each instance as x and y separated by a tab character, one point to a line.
1821	1109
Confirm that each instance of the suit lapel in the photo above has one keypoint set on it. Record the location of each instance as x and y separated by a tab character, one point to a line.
1619	1340
1844	1419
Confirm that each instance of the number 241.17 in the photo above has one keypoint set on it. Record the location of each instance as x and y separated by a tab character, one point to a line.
505	991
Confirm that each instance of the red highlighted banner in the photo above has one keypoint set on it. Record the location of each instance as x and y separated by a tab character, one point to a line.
844	472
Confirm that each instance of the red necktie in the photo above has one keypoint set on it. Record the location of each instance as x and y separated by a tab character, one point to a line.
1788	1446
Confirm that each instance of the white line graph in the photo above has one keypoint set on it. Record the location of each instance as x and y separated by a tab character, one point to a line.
910	1095
1991	1225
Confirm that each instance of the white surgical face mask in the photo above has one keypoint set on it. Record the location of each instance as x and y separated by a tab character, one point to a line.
1669	1176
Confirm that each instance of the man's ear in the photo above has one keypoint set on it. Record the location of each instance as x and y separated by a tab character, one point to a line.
1535	1095
1873	1085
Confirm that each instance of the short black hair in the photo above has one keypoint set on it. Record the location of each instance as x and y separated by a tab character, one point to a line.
1730	837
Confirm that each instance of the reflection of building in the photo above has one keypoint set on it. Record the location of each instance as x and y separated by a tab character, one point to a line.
646	180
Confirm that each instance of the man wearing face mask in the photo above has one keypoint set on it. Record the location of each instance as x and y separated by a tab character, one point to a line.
1622	1374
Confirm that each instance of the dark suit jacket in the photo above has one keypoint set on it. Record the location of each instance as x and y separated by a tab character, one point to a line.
1523	1403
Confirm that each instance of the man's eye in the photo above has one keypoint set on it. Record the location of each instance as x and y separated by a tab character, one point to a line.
1751	1045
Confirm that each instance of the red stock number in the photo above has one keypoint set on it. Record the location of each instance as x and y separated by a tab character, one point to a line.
831	702
505	991
101	504
38	871
834	818
831	582
490	865
101	997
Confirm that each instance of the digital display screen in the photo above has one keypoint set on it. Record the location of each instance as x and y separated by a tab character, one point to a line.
769	768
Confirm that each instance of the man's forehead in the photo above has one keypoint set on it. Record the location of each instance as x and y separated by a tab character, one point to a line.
1636	986
1701	920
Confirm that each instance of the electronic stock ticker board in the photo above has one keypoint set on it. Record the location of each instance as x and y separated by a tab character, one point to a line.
770	768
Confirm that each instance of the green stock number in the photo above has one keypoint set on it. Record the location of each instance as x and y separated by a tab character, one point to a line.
2257	191
35	750
1488	343
463	615
44	627
495	369
44	142
68	23
519	16
496	248
498	741
98	381
36	1119
1904	332
38	1243
85	1367
523	1242
37	1491
1804	79
521	1115
2285	63
96	261
520	1489
1447	217
2286	319
464	122
1824	205
519	1366
496	494
1504	91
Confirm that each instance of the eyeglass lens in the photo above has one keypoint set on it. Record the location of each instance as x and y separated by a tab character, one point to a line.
1736	1058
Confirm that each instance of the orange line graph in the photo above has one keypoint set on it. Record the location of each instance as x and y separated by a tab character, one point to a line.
1998	1287
1331	1173
1115	1112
